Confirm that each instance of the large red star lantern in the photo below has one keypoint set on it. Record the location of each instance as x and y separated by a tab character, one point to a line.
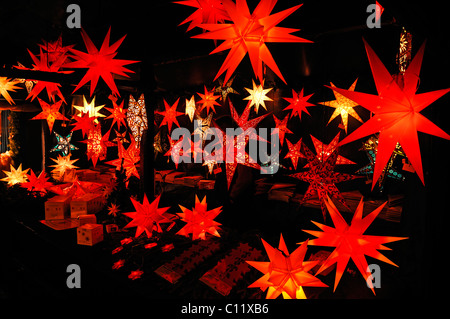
97	144
147	217
208	100
39	184
298	103
396	112
207	11
350	242
118	114
286	273
170	115
100	63
250	33
50	113
84	122
199	221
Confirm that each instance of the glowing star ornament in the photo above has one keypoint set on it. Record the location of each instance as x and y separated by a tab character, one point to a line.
350	242
207	11
55	49
325	150
50	113
39	184
190	108
97	144
202	126
250	33
294	152
63	163
83	122
90	108
147	217
208	100
137	118
225	89
281	125
286	273
63	144
170	115
99	63
118	114
113	209
396	113
14	176
258	96
199	221
343	106
7	85
128	159
298	103
176	150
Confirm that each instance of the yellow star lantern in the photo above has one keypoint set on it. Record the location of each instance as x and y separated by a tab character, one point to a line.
190	108
63	163
258	96
90	108
343	107
15	176
8	85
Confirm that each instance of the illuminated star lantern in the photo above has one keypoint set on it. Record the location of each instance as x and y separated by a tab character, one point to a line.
15	176
281	125
208	100
396	113
298	103
250	33
118	114
190	108
63	163
121	137
324	150
170	115
55	49
244	123
199	221
294	152
207	11
225	89
38	184
350	242
50	113
83	122
258	96
100	63
8	85
113	210
90	108
128	159
286	273
322	178
63	145
157	144
202	126
343	107
137	118
147	217
97	144
176	150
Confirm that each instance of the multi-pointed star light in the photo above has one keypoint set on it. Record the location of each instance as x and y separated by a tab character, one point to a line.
396	112
55	49
190	108
63	163
350	242
147	217
90	108
15	176
83	122
176	150
199	221
50	113
63	144
118	114
325	150
258	96
170	115
286	273
208	100
294	152
208	11
298	103
99	63
225	88
244	123
137	118
97	144
202	126
8	85
39	184
343	106
281	125
127	160
249	32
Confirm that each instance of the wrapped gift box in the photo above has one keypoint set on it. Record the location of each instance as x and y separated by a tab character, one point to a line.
89	234
57	207
87	204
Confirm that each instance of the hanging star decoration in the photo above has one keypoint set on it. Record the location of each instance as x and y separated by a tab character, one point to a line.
97	144
250	33
8	85
50	113
137	118
298	103
39	184
176	150
286	273
157	147
350	242
370	147
208	100
343	107
170	115
14	176
118	114
90	108
281	125
83	122
294	152
325	150
396	113
63	144
245	124
258	95
207	11
99	63
127	160
55	49
121	137
63	164
190	108
113	209
225	89
147	217
199	221
322	178
202	126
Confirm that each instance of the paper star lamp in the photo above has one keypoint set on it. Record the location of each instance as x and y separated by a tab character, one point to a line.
225	89
128	159
294	152
55	49
113	209
90	108
14	176
208	100
202	126
258	96
190	108
244	123
137	118
7	85
250	33
286	273
343	106
83	122
176	150
170	115
121	137
118	114
39	184
350	242
322	178
97	144
99	63
207	11
324	150
396	113
50	113
157	147
199	221
63	163
147	217
281	125
298	103
63	144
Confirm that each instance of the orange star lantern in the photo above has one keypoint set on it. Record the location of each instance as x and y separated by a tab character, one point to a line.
285	274
208	11
294	152
118	114
63	163
97	144
281	125
323	151
298	103
14	176
38	184
50	113
83	122
8	85
350	242
128	159
170	115
208	100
